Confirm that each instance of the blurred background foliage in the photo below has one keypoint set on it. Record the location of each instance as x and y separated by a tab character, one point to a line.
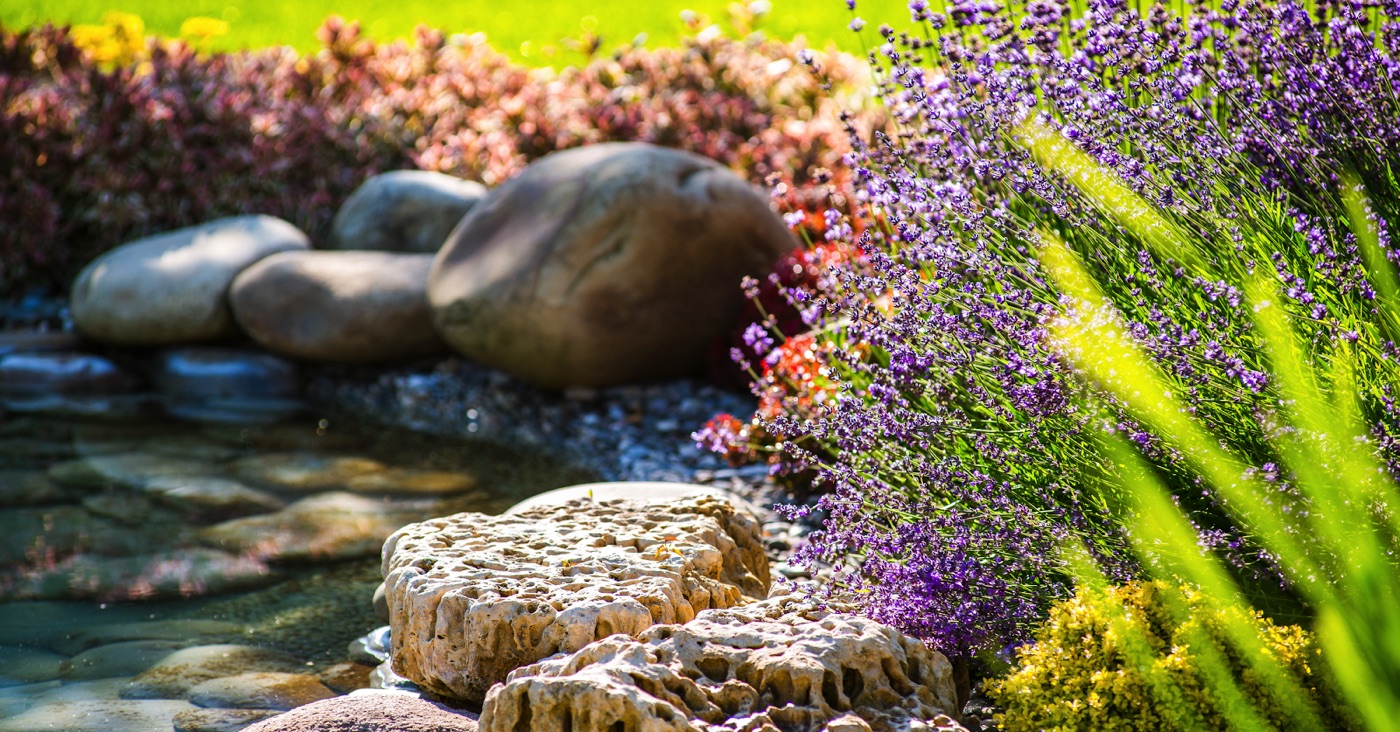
540	32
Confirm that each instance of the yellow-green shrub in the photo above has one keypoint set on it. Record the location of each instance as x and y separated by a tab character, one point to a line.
1077	675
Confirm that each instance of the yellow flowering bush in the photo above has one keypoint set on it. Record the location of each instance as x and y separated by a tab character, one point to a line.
1078	674
118	41
201	28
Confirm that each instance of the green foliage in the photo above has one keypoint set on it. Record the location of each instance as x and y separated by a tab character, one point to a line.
1130	658
539	33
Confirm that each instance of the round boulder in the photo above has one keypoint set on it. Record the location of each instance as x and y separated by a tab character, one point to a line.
403	211
608	264
172	288
338	306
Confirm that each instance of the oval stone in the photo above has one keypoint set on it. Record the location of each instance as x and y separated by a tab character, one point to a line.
403	211
608	264
172	288
338	306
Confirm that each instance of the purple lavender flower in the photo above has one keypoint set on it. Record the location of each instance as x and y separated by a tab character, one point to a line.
962	449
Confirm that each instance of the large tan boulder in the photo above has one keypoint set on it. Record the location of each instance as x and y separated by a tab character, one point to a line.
602	265
403	211
172	287
779	664
338	306
472	597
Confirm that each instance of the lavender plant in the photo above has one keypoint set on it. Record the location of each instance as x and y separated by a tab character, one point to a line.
1178	153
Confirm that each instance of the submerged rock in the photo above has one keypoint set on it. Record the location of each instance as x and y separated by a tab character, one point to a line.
95	635
172	287
175	675
260	690
173	573
124	470
62	373
96	716
204	499
126	658
326	527
207	384
608	264
22	665
219	720
472	597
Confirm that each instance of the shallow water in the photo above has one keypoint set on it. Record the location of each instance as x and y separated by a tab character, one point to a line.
119	536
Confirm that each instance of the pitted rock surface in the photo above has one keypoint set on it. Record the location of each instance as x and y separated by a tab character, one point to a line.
782	663
473	597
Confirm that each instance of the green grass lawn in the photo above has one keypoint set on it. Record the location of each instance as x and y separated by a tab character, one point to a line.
535	31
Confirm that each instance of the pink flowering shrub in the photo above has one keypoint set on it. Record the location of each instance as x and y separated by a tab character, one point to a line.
90	157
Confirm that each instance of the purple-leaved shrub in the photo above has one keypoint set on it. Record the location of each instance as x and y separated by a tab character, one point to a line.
93	156
1179	153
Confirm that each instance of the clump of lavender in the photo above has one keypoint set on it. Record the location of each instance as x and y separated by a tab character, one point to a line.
959	453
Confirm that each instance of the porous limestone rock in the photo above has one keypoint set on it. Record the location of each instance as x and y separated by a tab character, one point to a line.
172	287
338	306
472	597
782	663
403	211
602	265
649	491
379	711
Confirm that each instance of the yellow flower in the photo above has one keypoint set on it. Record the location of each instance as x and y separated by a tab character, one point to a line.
119	41
203	28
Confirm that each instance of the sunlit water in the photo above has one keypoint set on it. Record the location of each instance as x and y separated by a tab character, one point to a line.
123	541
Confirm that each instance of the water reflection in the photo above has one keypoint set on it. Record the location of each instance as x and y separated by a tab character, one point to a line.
124	541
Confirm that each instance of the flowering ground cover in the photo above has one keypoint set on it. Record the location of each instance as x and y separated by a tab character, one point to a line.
541	32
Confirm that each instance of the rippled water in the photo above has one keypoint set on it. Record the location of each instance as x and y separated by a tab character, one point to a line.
121	541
